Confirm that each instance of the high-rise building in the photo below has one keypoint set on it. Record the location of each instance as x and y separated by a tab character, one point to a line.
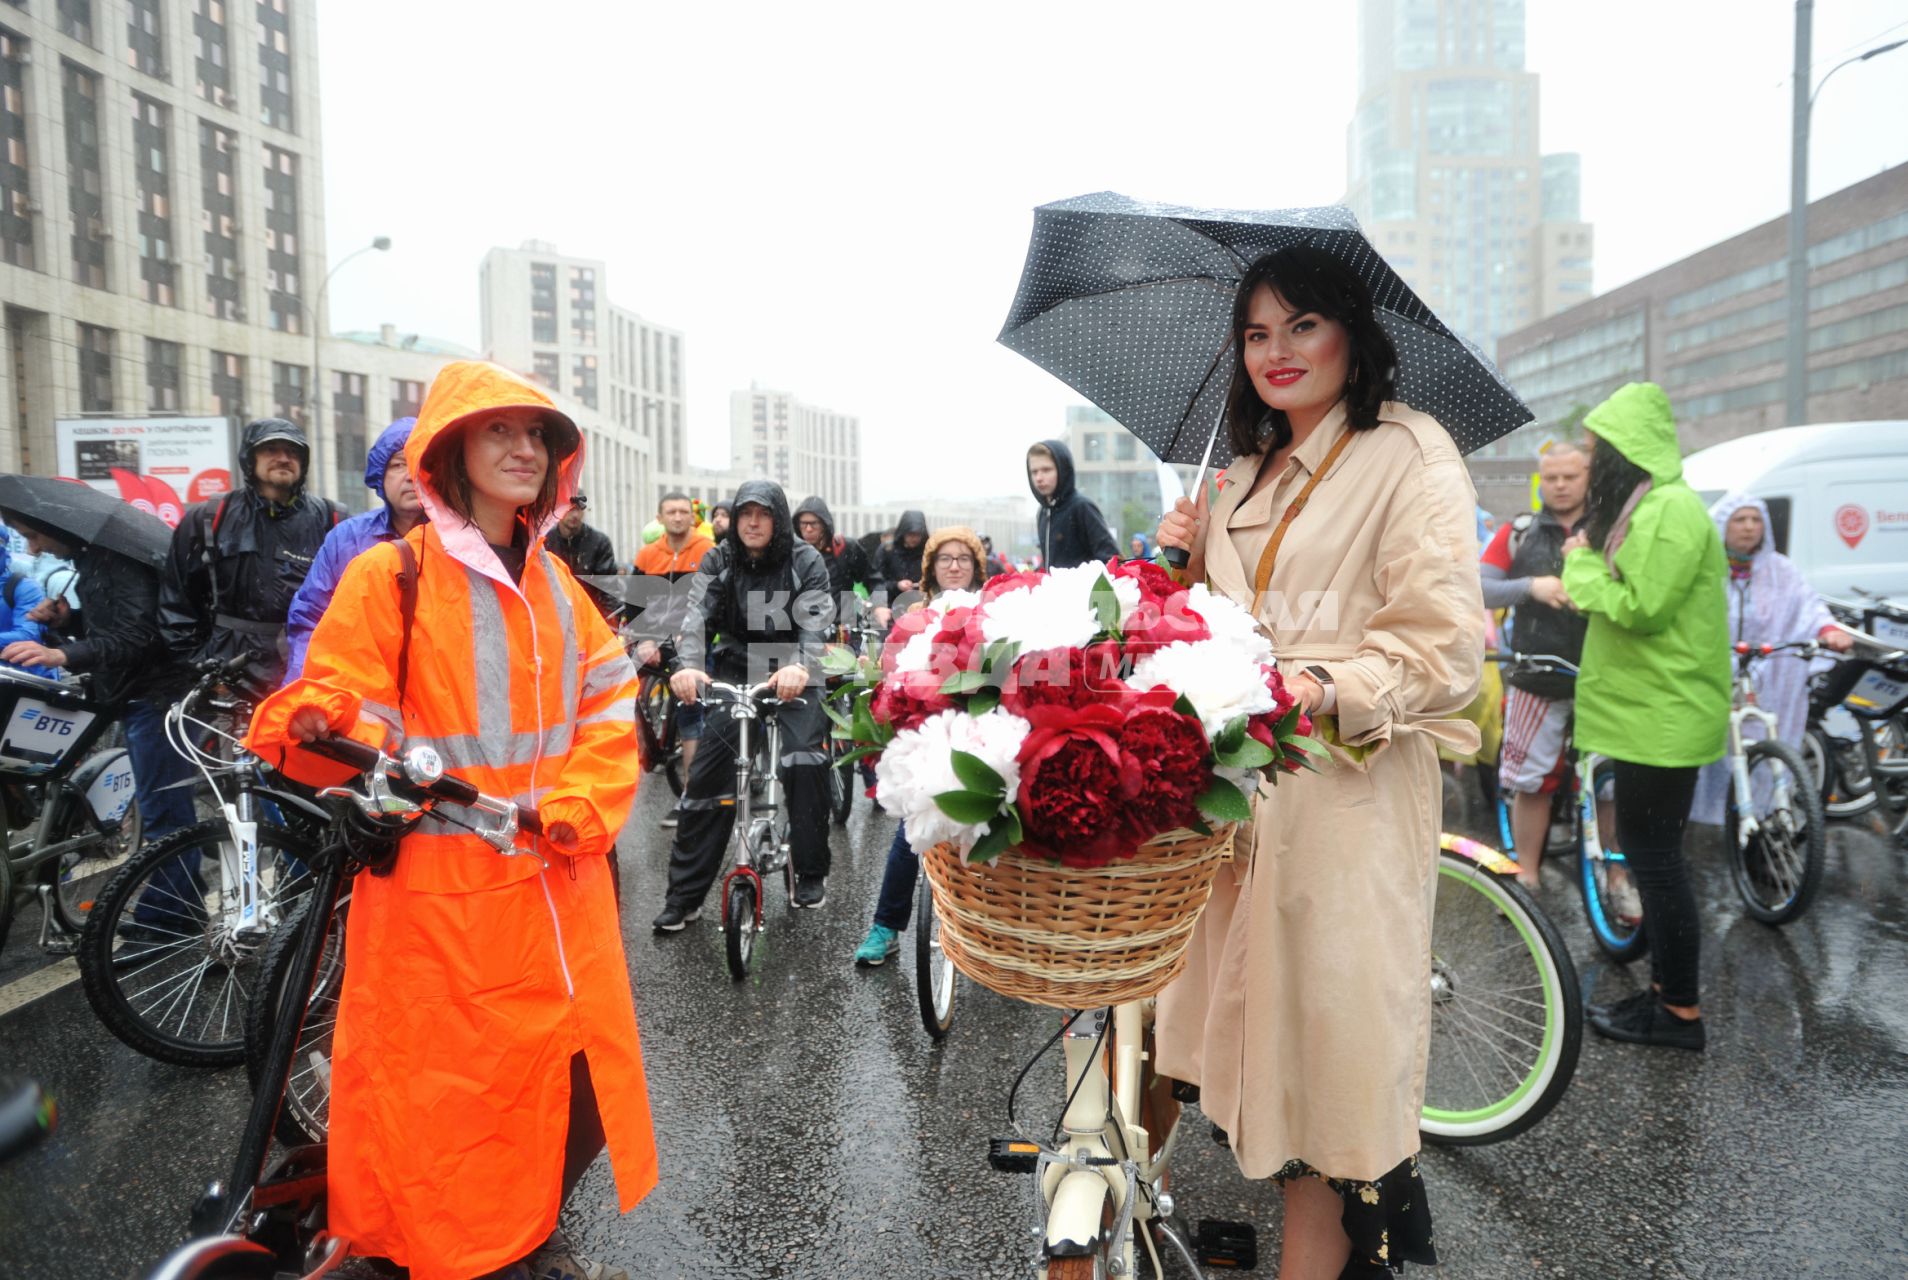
1116	471
1445	171
803	448
162	246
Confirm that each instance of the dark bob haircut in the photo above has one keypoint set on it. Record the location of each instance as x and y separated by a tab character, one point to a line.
1316	281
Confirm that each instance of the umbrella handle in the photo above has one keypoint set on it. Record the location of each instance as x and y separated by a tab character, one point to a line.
1179	557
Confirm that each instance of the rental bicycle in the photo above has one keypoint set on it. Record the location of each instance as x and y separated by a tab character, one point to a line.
172	947
260	1223
760	838
1773	828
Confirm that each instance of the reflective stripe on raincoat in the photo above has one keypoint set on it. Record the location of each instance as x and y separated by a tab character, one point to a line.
472	978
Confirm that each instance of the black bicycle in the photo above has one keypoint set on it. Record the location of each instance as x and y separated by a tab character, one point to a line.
659	714
259	1223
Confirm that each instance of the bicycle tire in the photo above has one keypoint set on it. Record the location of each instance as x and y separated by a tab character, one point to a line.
1484	1081
1840	798
739	931
1621	944
1778	876
304	1112
74	894
934	975
1885	772
841	786
1080	1267
102	971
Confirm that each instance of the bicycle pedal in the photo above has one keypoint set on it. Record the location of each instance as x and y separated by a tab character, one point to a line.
1012	1155
1232	1245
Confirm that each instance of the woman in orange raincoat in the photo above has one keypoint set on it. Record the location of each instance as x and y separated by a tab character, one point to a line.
486	1044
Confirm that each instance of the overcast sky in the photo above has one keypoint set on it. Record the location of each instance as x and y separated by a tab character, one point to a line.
835	199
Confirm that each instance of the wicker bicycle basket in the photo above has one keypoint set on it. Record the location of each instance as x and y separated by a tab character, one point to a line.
1072	937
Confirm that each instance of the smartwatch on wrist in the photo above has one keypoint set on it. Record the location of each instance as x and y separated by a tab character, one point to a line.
1326	683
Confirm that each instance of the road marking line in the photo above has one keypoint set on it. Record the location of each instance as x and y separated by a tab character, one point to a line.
41	982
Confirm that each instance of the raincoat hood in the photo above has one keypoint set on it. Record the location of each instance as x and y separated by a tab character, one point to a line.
464	388
781	543
1725	508
941	537
1636	419
1063	482
264	429
910	522
819	509
389	443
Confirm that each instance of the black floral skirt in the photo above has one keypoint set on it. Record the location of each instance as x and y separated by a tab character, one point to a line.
1387	1221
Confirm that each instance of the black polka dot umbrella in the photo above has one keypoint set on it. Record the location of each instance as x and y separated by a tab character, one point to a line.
1130	304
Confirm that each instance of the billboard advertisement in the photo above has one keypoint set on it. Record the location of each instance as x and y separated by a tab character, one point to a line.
161	465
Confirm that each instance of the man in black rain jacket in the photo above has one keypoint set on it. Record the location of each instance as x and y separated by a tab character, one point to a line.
238	559
1070	528
760	608
848	564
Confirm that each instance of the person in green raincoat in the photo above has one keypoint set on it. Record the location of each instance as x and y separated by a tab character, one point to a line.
1653	695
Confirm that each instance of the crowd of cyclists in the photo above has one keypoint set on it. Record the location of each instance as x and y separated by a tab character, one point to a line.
529	688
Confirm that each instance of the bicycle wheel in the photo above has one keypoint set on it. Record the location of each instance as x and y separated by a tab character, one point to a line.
1506	1012
304	1114
934	974
739	927
1599	863
1778	868
661	747
82	873
162	962
841	783
1839	773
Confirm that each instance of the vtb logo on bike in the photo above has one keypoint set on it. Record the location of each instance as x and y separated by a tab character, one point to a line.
43	723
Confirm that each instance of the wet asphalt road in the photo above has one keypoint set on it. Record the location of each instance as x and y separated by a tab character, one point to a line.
808	1128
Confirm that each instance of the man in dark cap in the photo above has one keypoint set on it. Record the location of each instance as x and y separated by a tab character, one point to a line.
587	551
238	559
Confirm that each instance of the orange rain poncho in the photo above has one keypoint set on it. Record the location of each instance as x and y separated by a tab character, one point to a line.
472	978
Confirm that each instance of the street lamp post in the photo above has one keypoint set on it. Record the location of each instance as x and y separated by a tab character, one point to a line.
316	397
1797	347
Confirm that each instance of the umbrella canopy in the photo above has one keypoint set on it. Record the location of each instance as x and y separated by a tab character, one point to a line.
1130	304
82	513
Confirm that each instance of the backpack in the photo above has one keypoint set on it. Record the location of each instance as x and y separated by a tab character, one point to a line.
209	541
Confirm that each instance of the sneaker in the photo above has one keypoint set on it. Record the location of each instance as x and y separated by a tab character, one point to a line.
669	819
559	1260
674	918
875	949
1638	1022
810	891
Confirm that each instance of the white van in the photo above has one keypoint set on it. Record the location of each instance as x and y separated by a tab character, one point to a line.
1837	495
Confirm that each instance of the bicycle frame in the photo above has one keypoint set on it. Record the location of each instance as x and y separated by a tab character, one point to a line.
745	709
1744	710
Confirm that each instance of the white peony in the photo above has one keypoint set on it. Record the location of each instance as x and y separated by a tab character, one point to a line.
919	765
1229	622
1054	614
1214	675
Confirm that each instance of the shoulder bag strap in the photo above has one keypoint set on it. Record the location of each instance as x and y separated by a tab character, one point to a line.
1270	555
407	610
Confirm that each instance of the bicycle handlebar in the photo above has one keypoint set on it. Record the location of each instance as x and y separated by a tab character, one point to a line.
421	776
1561	666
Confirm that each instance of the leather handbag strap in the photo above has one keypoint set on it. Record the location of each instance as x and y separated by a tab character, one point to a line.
1270	555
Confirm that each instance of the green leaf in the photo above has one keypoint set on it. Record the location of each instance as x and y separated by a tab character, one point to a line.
1000	653
970	807
1015	833
1250	754
864	726
964	682
844	722
1310	746
977	775
983	701
1230	736
1183	705
1288	723
838	660
1223	802
1199	825
859	753
991	845
1106	605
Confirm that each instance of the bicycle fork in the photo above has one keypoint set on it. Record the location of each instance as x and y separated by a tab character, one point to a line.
1084	1184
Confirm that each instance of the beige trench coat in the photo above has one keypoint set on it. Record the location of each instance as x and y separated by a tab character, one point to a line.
1304	1010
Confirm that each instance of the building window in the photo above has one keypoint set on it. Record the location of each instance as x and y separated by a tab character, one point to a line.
1125	447
675	366
288	391
211	69
162	376
16	177
583	380
407	398
543	308
348	428
583	308
274	64
145	44
76	19
152	166
95	369
85	189
1095	450
281	240
218	199
543	367
228	384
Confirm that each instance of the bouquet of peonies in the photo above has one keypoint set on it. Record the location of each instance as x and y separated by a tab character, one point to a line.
1073	714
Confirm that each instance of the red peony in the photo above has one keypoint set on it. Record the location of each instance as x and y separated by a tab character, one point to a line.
1065	678
907	698
1155	582
957	642
1070	796
1162	771
1282	698
906	627
1001	584
1154	624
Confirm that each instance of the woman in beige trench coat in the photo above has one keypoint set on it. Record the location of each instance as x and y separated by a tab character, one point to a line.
1304	1011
